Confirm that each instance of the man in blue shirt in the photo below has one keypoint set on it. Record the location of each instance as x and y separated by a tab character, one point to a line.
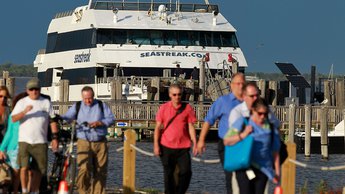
220	110
93	119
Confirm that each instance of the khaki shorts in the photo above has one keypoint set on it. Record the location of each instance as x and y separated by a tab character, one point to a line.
37	152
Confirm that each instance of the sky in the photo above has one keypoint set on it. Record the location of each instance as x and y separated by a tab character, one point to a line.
302	32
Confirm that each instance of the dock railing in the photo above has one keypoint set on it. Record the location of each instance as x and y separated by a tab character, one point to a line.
143	115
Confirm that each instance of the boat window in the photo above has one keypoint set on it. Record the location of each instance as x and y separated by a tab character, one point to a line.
109	72
85	75
46	77
170	37
229	39
206	38
51	42
84	39
70	41
120	36
187	7
140	37
216	40
105	36
157	38
184	38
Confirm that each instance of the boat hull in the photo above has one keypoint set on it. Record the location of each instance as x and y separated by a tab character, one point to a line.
335	145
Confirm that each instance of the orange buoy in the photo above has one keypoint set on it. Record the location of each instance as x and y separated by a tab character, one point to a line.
63	187
278	190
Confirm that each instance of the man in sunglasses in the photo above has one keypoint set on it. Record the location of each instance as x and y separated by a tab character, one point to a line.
250	94
33	112
220	110
173	135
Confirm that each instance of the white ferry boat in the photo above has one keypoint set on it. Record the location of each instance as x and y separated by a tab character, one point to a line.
95	43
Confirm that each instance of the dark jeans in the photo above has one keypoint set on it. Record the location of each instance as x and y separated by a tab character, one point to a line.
170	158
228	175
254	186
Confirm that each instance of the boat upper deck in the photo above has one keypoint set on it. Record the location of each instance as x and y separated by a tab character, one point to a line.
145	6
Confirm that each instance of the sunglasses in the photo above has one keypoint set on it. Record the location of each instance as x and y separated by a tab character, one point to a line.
32	89
1	96
177	94
252	96
262	113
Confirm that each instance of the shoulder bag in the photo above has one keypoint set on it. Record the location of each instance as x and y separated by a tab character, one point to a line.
238	156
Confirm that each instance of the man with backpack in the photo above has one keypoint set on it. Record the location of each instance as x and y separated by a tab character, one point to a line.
93	118
173	135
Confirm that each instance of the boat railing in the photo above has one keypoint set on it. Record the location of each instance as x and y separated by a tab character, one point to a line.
146	6
63	14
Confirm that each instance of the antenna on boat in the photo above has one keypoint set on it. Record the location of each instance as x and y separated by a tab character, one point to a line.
207	2
150	12
330	74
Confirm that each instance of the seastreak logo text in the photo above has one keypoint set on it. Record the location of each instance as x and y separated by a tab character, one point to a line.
171	54
82	58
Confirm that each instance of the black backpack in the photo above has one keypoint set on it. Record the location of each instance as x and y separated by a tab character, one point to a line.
283	154
77	108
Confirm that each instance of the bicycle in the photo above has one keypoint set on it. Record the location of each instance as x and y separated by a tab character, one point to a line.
65	162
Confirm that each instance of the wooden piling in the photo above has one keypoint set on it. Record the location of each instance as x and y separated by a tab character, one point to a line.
129	162
10	84
292	117
116	89
327	92
312	83
340	92
288	170
262	87
324	133
344	127
273	86
307	137
5	75
63	95
155	82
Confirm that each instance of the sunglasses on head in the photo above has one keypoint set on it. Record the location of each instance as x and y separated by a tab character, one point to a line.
177	94
32	89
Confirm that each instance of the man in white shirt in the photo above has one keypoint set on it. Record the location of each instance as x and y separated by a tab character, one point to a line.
250	94
33	112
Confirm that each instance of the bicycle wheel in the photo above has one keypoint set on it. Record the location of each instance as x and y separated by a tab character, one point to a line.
71	174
